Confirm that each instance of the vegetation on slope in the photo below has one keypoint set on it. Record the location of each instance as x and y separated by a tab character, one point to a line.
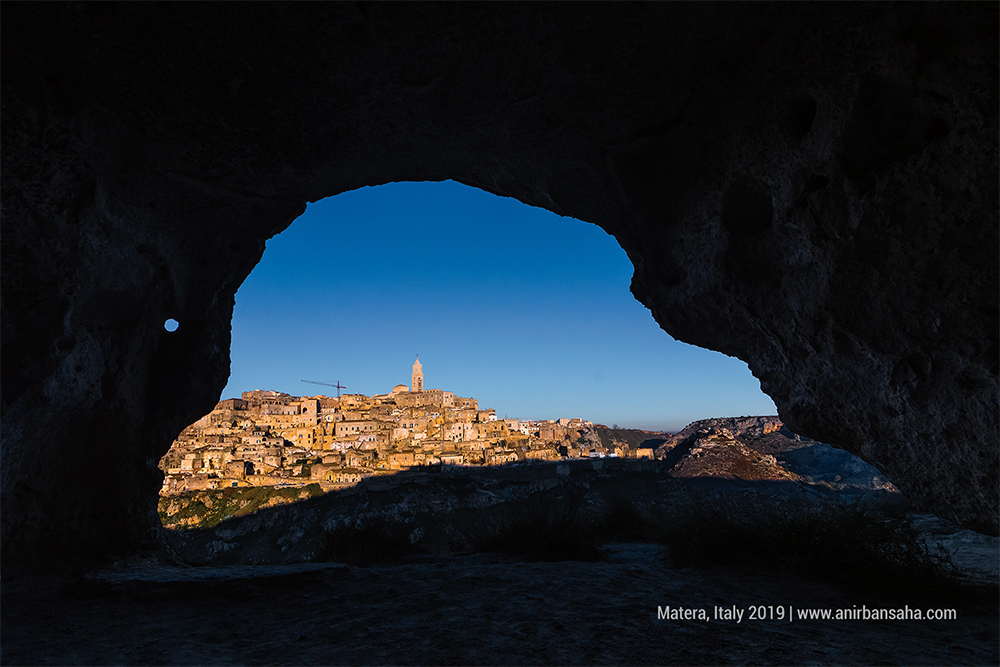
205	509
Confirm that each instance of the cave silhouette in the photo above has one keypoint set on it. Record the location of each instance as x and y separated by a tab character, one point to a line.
810	188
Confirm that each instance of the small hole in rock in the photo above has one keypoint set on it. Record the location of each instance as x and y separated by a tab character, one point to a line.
171	325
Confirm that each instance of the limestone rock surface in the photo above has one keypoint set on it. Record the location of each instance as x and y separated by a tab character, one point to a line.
718	454
764	448
809	187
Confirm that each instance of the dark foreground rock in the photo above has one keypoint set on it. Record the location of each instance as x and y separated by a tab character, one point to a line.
447	571
810	187
461	511
478	610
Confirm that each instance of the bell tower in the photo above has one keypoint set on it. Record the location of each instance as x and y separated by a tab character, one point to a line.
417	383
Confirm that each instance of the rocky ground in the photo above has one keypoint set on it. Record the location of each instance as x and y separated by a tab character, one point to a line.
430	576
481	609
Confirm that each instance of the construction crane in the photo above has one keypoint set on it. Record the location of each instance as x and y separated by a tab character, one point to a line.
328	384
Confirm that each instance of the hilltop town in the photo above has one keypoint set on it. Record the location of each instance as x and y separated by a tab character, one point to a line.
268	438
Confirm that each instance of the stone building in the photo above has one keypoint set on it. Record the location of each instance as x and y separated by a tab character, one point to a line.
468	403
426	398
417	383
349	475
401	459
451	458
358	427
324	472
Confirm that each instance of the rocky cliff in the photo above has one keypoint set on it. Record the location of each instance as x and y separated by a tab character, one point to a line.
809	187
762	448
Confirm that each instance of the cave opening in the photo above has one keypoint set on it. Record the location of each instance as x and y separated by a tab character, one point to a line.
524	310
514	304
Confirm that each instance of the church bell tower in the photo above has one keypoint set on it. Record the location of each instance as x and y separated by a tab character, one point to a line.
417	383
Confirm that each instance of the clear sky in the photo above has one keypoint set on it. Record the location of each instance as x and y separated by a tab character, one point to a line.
523	309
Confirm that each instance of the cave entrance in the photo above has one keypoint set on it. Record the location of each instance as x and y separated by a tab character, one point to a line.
524	310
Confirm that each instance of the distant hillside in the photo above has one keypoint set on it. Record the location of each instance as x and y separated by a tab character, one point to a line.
764	448
744	428
633	437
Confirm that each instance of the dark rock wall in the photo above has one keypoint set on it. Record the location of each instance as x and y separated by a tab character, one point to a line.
810	188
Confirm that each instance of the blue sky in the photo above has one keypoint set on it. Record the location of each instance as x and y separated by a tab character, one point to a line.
523	309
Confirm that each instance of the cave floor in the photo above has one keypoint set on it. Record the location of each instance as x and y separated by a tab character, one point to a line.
482	609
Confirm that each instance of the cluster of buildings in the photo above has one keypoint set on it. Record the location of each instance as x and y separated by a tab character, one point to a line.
268	438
